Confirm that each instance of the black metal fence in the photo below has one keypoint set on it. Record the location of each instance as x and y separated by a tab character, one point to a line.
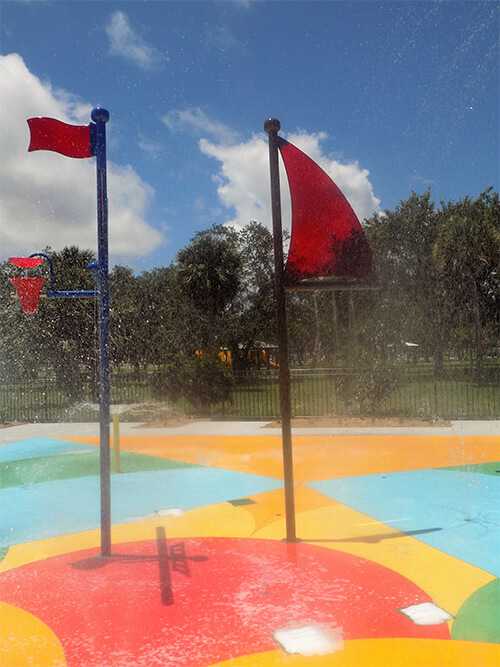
391	392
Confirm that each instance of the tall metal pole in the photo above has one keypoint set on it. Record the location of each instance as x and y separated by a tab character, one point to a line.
100	118
272	127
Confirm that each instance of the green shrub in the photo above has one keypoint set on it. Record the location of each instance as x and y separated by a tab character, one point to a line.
363	390
201	381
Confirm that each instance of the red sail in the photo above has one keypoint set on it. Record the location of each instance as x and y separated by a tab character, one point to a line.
327	238
48	134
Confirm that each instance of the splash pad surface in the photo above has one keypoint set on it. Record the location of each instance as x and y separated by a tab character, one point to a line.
200	575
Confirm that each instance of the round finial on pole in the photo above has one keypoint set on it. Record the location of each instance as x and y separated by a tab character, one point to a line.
100	114
272	125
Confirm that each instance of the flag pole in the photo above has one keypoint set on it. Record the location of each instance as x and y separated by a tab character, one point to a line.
272	127
100	118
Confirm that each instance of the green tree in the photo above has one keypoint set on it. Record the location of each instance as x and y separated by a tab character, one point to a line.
208	270
68	327
202	381
170	322
412	303
149	313
249	320
124	316
467	254
21	356
62	335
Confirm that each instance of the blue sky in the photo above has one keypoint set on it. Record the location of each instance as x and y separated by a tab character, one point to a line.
388	97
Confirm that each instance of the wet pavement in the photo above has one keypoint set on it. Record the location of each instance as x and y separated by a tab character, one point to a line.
397	562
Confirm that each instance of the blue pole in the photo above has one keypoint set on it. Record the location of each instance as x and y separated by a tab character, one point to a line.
100	118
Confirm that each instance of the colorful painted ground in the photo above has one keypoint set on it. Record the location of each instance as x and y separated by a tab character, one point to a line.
398	562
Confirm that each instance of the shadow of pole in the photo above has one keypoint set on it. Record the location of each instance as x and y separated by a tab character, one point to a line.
176	561
372	539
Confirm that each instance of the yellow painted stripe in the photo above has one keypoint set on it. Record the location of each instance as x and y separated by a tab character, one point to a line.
222	520
25	641
383	653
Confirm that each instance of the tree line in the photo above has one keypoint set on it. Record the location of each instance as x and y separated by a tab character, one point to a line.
437	271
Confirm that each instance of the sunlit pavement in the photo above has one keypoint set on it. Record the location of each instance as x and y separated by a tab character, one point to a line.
398	563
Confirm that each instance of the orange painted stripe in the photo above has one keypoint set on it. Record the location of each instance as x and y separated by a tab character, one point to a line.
317	457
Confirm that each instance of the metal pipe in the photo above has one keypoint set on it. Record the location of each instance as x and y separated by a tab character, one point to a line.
272	127
100	118
116	442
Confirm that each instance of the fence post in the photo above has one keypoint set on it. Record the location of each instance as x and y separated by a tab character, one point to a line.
116	442
436	398
45	410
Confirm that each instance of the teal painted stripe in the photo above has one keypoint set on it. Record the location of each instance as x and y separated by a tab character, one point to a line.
38	447
455	511
63	507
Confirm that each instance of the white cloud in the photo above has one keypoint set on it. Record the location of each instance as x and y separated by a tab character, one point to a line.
195	120
243	179
150	148
49	199
243	182
126	42
221	37
219	33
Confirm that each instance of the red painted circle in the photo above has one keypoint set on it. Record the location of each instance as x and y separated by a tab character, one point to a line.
198	601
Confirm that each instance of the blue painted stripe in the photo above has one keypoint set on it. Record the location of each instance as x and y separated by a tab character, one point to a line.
459	509
67	506
37	447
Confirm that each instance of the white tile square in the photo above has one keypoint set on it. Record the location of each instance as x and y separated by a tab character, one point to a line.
310	640
172	511
426	613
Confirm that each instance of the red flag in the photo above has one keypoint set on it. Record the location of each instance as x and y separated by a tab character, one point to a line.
48	134
327	238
